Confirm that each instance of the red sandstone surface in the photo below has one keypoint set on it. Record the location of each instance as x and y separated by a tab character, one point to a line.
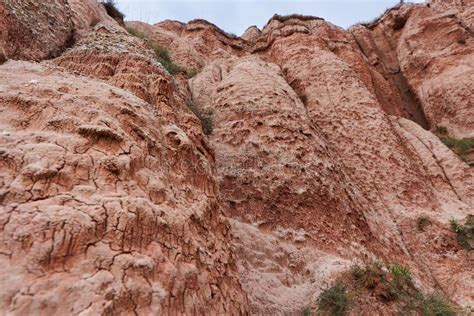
324	151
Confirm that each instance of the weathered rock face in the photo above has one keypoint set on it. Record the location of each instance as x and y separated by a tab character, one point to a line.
317	97
260	131
461	8
431	53
194	44
41	30
251	33
35	31
109	200
114	201
108	206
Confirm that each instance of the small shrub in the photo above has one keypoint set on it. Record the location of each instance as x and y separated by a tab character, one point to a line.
400	272
428	305
369	24
386	283
191	73
455	226
401	283
284	18
396	26
367	276
171	67
207	122
112	10
441	130
464	233
303	98
134	32
422	222
334	300
307	311
161	53
460	146
391	283
435	305
163	56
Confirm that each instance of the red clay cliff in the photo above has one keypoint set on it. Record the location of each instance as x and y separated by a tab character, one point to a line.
176	169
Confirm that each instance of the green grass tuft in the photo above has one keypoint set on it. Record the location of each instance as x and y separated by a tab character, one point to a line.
334	300
422	222
464	232
455	226
462	147
401	283
400	272
428	305
441	130
134	32
387	283
367	276
162	55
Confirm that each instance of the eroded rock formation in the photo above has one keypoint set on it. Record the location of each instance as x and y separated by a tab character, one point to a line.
322	153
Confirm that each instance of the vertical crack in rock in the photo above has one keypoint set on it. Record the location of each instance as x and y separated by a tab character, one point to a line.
384	57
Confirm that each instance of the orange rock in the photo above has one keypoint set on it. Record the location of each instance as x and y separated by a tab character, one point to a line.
107	205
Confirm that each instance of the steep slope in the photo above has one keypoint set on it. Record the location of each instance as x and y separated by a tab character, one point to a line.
36	31
245	183
431	51
103	211
315	82
108	205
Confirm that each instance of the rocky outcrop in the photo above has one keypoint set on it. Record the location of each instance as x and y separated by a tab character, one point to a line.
108	205
431	53
349	93
319	153
36	31
109	200
32	31
461	8
251	33
195	44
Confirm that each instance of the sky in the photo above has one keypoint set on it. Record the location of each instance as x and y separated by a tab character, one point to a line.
235	16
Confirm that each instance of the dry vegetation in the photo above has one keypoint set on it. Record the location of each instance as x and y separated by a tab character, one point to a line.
391	286
113	11
463	147
207	121
161	53
422	222
464	232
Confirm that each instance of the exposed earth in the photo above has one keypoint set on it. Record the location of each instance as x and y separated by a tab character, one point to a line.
176	169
